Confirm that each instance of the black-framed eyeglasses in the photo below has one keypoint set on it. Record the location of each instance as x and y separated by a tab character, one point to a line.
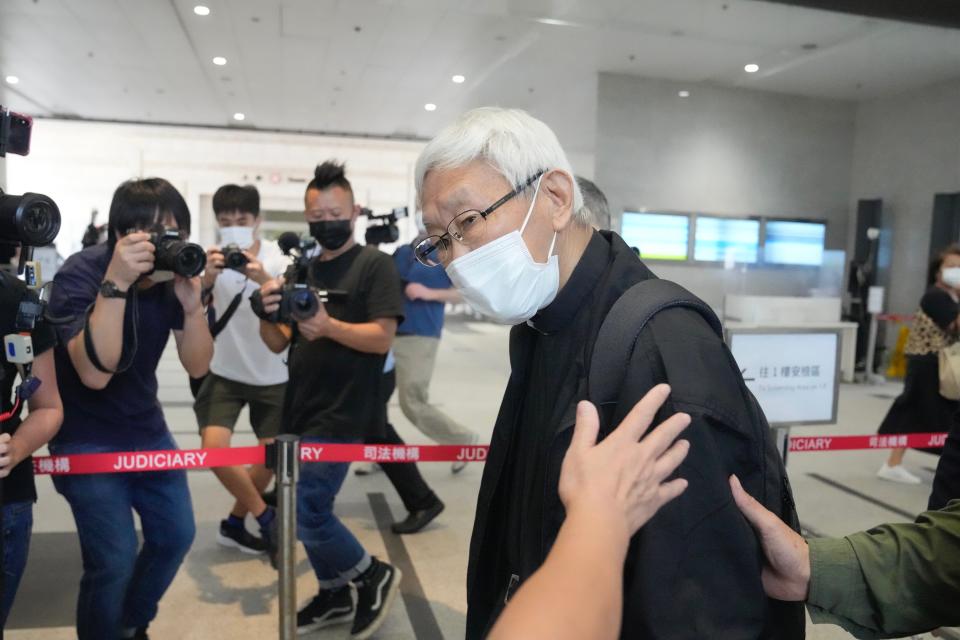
467	227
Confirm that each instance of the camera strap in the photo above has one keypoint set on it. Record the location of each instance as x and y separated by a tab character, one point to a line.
231	309
135	343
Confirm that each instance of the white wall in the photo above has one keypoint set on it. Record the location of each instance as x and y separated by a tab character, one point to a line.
80	164
725	151
907	148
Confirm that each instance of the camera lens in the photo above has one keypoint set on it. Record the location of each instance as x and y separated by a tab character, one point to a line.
189	260
234	259
303	304
31	219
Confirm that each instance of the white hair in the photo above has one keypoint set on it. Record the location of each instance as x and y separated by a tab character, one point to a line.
511	140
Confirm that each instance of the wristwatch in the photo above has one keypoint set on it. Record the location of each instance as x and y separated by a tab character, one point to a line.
109	289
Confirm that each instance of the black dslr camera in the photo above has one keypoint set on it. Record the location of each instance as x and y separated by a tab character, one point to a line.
298	300
31	220
233	258
174	254
382	227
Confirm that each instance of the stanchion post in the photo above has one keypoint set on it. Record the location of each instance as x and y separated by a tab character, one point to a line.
287	467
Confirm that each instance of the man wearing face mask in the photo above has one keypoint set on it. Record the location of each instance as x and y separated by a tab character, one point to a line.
243	372
506	220
336	367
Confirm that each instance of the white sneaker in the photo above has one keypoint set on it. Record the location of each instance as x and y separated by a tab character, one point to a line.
897	474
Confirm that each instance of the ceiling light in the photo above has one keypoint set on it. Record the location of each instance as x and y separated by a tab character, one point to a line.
219	61
683	94
239	116
12	79
459	79
430	106
201	10
752	68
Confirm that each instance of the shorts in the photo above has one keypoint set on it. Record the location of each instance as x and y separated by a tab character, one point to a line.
220	401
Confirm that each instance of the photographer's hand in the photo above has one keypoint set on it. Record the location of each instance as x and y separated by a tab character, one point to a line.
316	327
188	293
254	269
194	342
133	256
275	336
214	268
7	457
270	294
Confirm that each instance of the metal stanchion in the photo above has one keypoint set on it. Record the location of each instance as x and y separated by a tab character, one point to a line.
287	463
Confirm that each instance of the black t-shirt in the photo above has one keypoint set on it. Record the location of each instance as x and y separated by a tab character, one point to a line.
333	391
940	306
18	486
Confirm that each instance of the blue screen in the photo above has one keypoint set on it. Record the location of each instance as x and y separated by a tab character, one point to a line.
727	240
799	243
659	236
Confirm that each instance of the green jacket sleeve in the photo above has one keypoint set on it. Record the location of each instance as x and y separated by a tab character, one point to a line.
891	581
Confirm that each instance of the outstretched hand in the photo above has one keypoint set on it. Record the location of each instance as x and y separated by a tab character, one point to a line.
622	477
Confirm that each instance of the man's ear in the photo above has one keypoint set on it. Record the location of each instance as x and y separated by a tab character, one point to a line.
557	187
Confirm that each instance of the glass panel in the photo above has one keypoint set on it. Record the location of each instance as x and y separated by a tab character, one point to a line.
658	236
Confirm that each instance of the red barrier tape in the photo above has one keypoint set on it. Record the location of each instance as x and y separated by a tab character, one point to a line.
134	461
849	443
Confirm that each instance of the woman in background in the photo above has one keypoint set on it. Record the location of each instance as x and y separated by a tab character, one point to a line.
921	408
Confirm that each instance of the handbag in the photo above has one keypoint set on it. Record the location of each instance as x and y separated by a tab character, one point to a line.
949	358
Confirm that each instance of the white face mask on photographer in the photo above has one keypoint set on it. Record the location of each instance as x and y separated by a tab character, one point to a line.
240	236
951	277
501	279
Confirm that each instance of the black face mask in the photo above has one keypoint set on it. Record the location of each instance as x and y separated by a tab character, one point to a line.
331	234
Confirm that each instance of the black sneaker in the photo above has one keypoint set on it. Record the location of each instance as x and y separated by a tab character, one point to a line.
240	538
271	539
417	520
376	590
329	607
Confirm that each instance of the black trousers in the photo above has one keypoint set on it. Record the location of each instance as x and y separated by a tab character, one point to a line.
404	476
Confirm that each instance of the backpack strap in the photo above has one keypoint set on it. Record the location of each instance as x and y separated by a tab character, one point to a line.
622	326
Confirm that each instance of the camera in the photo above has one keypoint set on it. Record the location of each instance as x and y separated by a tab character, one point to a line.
174	254
298	300
30	220
382	227
233	257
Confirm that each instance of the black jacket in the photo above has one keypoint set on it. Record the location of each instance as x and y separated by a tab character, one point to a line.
694	570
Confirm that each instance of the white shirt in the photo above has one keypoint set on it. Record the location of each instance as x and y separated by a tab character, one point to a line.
238	352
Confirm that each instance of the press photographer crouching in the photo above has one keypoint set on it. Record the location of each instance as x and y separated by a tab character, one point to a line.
127	296
244	372
336	361
28	220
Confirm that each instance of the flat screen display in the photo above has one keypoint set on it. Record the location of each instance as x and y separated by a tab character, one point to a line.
791	242
658	236
727	240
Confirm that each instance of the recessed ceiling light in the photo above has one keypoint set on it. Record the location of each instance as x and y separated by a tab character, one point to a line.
12	79
683	94
459	79
219	61
201	10
430	106
239	116
752	68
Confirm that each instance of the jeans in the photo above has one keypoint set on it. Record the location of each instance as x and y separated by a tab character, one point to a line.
17	525
122	583
335	554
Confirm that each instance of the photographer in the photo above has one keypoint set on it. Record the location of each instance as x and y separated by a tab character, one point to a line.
243	371
336	366
20	439
107	361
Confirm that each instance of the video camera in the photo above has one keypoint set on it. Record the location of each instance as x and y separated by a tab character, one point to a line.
174	254
298	300
382	227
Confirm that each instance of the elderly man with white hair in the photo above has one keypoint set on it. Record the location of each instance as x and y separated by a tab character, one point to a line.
506	220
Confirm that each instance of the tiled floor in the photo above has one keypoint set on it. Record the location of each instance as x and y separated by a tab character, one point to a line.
222	594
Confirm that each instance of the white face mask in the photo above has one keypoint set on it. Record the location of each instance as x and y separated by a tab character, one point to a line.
240	236
951	277
501	280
